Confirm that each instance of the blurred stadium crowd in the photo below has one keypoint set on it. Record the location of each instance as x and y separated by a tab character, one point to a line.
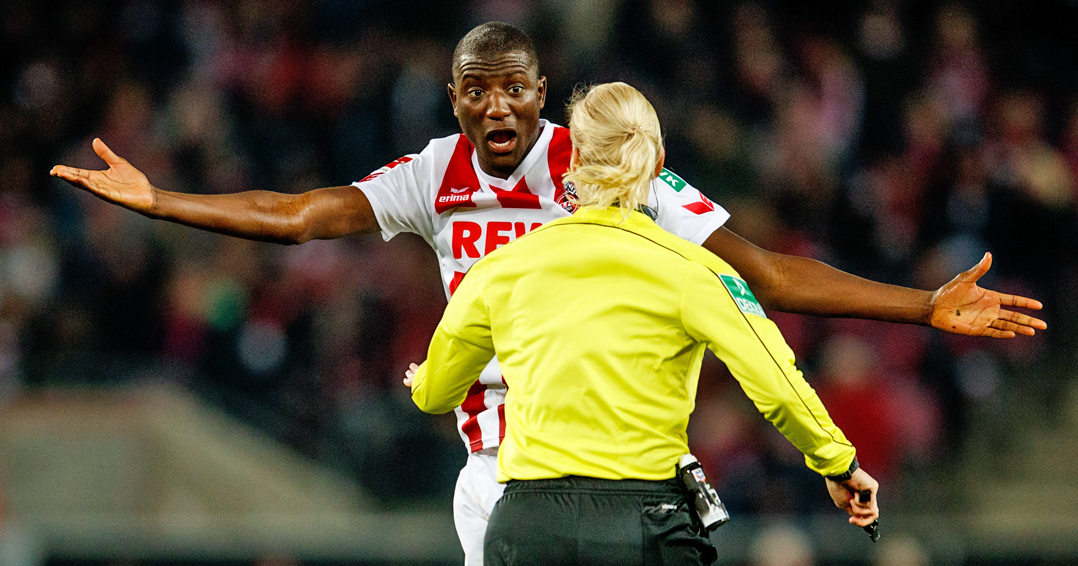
897	140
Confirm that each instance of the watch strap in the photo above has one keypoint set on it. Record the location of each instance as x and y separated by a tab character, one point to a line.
847	474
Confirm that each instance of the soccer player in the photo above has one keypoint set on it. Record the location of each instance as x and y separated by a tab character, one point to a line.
470	193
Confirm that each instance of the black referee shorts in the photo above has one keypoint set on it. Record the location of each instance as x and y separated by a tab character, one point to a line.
577	521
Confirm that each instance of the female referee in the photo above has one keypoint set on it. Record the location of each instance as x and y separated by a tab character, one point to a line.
600	321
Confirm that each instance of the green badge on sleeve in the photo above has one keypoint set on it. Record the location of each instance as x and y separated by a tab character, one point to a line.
746	301
675	182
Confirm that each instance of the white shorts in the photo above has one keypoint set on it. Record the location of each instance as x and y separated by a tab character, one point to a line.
473	500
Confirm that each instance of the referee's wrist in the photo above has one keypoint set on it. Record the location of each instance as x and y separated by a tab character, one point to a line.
854	466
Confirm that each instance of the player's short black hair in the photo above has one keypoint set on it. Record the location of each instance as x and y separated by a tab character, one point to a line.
495	38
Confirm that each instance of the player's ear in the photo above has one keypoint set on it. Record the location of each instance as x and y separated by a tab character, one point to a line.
542	92
574	159
453	97
658	166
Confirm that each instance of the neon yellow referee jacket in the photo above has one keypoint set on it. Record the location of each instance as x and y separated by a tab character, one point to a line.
600	324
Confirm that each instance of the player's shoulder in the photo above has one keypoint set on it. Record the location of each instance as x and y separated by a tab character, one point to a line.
445	144
683	209
437	152
671	181
559	134
441	150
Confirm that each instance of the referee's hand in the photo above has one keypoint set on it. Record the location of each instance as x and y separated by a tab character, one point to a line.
845	495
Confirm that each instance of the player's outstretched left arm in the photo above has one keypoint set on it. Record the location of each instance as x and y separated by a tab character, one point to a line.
806	286
324	213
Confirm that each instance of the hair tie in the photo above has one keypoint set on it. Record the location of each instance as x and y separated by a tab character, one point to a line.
634	129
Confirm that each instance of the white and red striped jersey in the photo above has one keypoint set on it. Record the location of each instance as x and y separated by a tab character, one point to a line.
443	195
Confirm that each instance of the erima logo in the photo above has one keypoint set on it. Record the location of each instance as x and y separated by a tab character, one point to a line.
457	191
454	198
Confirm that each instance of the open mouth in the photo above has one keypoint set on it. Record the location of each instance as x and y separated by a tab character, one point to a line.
502	141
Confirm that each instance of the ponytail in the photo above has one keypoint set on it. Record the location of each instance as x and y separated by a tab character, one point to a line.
616	135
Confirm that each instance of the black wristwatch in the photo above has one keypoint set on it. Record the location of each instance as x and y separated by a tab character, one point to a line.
847	474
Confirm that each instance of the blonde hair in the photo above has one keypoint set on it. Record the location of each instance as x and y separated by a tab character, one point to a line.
616	135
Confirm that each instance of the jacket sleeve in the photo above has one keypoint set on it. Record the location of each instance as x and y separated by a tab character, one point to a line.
755	352
459	350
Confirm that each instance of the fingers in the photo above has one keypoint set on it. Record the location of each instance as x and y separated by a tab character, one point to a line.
977	271
1006	325
67	173
862	514
71	174
995	333
409	374
1017	323
106	154
1023	319
862	521
80	176
1020	302
863	511
858	497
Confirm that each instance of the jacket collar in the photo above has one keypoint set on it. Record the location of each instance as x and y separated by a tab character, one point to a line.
611	216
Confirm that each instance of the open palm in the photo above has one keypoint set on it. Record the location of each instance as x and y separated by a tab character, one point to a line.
121	183
962	307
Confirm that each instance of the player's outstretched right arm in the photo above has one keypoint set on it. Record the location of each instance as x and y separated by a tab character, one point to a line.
257	215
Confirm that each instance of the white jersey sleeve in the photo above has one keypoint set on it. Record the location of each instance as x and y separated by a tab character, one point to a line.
400	194
684	211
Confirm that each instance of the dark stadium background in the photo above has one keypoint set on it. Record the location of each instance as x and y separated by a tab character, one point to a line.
142	362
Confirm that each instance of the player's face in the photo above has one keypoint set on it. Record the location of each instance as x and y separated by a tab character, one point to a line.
497	101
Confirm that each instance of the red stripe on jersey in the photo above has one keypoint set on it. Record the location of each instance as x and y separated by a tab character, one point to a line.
501	422
460	180
474	404
387	167
557	156
455	282
520	197
702	206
